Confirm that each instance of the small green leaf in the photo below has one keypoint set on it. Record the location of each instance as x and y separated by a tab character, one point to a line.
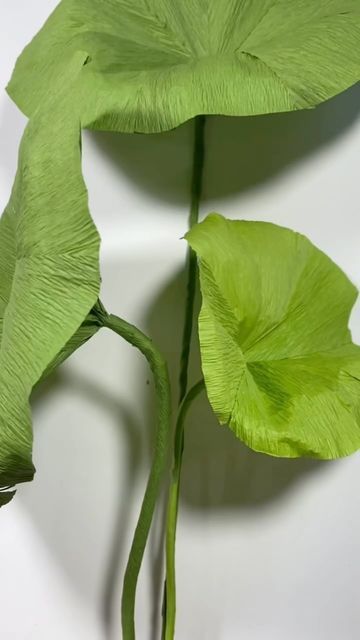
154	64
279	364
49	272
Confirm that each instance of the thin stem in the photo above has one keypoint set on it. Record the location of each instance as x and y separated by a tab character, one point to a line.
196	190
169	604
163	392
173	508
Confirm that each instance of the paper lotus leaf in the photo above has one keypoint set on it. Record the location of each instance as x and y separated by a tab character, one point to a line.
154	64
279	365
49	274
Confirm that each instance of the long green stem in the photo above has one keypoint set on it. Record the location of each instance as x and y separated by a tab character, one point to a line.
196	190
169	608
173	508
163	393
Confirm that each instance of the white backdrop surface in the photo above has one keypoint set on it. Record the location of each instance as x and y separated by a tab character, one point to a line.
267	549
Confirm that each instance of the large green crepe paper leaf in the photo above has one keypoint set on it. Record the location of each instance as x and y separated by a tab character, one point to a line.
279	365
155	63
49	272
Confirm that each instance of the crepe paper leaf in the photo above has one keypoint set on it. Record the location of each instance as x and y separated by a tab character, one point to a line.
279	365
87	330
153	65
49	272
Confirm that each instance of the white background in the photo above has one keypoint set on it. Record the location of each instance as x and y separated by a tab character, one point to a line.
267	549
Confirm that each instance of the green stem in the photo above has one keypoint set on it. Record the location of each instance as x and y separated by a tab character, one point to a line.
196	190
162	385
173	508
169	607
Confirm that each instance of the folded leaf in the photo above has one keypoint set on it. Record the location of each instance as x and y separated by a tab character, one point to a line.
153	65
49	271
87	330
279	365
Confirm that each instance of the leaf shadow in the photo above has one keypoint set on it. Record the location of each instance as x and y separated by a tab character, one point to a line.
241	152
46	507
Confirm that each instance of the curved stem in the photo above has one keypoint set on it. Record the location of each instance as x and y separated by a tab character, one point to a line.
173	508
162	385
196	190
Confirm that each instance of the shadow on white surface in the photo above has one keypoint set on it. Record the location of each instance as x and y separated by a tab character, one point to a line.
82	497
12	123
241	153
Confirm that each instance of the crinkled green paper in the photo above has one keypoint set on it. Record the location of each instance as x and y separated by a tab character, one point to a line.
49	272
152	64
279	365
130	66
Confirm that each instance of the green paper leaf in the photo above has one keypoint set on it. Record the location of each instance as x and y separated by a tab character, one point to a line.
49	271
279	365
153	65
85	332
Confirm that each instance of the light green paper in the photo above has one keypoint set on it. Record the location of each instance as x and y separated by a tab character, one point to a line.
49	272
154	64
279	365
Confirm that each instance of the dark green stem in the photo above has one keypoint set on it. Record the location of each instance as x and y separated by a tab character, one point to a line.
169	604
196	190
163	393
173	508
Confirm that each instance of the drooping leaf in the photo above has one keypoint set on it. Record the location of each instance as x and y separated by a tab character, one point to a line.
279	364
89	327
154	64
49	272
